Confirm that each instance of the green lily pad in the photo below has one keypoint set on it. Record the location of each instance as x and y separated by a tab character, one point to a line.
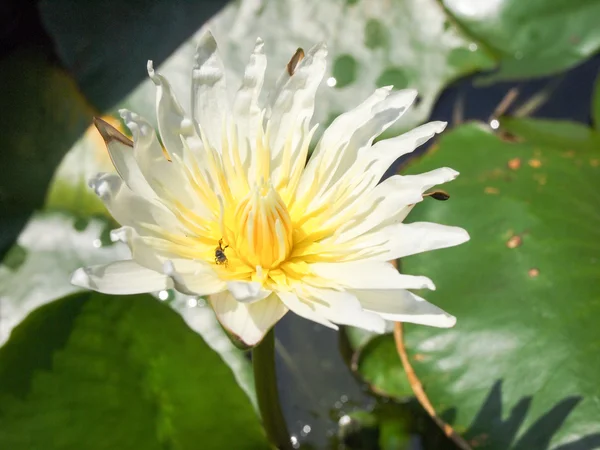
520	368
44	114
104	372
531	39
371	363
409	43
560	134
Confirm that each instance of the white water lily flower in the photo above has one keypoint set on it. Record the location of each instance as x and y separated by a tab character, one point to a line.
230	209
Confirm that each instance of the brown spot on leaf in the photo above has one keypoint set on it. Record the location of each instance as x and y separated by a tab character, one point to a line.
419	357
533	272
594	162
514	163
569	153
491	190
535	163
514	242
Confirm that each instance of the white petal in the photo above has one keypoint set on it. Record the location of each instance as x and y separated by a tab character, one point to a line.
339	133
120	149
388	201
400	240
340	307
247	292
166	177
209	92
293	106
249	322
193	277
120	278
335	160
382	155
128	208
403	306
369	275
246	112
304	309
172	122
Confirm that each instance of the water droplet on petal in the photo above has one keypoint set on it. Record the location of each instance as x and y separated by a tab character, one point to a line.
163	295
192	302
494	124
331	81
97	243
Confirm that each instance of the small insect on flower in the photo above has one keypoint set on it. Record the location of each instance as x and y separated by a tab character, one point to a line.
220	257
294	61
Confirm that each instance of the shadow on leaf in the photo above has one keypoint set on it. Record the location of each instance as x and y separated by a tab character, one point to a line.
490	430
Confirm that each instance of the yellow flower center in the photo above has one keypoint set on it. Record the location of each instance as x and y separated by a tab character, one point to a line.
263	234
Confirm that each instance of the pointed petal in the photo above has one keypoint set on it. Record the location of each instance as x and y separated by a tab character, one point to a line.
120	149
336	156
389	199
246	112
400	240
209	92
383	154
403	306
369	275
171	118
120	278
293	106
249	322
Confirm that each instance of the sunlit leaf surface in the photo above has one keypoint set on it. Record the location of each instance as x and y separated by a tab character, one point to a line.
519	369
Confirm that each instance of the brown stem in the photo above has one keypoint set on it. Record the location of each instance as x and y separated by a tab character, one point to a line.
417	388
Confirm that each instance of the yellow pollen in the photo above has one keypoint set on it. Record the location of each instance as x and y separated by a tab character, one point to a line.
263	235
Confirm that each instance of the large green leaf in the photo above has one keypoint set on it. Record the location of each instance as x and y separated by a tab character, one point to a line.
520	369
106	44
105	372
43	115
406	43
531	38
